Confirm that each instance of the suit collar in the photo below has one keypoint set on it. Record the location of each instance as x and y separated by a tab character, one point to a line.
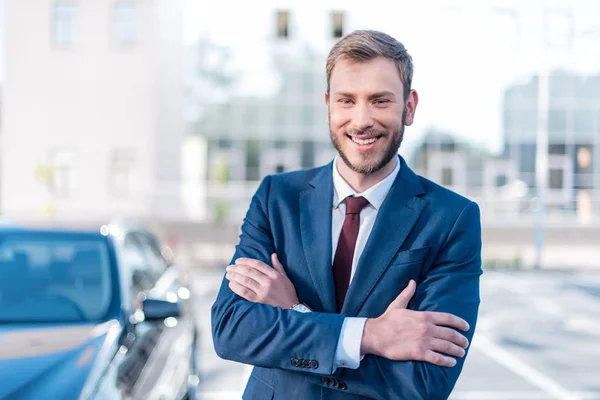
395	220
315	231
375	194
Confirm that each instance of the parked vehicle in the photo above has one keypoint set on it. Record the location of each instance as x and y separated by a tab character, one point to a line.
94	315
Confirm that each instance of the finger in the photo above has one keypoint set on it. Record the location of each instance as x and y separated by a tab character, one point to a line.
445	319
257	265
439	359
250	272
277	265
242	291
450	335
404	297
447	348
244	281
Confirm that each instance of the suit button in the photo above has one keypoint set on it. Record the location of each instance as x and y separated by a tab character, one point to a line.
305	364
335	383
295	362
313	364
343	386
325	381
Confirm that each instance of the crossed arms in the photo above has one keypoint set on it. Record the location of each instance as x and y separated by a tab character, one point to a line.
406	352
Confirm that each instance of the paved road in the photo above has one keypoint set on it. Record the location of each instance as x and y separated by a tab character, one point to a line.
538	338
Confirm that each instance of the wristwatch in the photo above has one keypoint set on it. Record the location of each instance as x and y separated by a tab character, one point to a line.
301	307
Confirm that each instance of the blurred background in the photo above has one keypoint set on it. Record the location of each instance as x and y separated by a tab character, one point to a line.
172	111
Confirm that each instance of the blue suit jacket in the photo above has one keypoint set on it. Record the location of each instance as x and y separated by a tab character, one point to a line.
422	231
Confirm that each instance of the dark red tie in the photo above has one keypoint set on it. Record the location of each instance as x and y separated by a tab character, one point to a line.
342	262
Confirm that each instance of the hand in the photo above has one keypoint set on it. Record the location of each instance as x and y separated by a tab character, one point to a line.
257	282
401	334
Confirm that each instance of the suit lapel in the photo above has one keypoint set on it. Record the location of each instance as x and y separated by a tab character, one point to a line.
315	228
395	220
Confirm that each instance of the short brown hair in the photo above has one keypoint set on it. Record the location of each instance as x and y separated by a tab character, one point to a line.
365	45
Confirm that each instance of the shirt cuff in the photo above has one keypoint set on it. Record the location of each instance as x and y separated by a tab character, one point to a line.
347	354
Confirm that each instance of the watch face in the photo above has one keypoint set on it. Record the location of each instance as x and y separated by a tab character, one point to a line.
301	308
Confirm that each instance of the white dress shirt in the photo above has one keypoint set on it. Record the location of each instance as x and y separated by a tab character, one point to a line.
347	353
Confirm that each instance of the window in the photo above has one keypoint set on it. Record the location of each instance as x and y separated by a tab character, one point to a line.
135	258
283	22
556	178
121	170
152	252
308	154
65	23
584	158
308	116
501	180
557	121
584	121
225	143
557	149
54	268
447	177
125	23
63	166
527	158
337	24
252	160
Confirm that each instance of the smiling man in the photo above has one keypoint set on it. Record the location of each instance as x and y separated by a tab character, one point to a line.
358	279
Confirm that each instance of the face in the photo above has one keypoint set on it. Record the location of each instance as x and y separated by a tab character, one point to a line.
367	112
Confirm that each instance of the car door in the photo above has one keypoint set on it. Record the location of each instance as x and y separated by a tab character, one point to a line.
161	351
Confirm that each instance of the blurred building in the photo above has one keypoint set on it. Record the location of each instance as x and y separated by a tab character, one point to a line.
249	135
574	138
92	109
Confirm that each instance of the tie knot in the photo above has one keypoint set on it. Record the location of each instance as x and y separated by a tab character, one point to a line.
354	205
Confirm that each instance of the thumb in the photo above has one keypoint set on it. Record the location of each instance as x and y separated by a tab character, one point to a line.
403	298
277	265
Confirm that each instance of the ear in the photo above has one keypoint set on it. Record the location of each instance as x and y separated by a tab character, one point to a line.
327	105
411	107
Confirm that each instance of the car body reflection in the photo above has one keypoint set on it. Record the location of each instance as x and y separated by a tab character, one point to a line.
91	315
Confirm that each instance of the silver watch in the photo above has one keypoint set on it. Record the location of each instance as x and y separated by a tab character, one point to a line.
301	307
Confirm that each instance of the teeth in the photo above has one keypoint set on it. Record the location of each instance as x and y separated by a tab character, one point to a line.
364	141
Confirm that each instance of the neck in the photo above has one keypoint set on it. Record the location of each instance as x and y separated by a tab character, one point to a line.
362	182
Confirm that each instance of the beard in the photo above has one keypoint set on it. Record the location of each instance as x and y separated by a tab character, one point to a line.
389	153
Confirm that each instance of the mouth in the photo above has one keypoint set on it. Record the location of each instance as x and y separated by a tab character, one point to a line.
364	143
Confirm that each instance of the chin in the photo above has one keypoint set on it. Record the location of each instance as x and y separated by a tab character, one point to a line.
357	164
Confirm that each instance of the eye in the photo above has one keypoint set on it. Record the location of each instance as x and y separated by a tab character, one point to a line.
381	101
345	101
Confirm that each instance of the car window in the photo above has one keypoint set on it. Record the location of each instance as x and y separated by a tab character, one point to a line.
152	252
54	278
142	273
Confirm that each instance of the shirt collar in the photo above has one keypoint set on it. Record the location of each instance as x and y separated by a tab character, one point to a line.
375	194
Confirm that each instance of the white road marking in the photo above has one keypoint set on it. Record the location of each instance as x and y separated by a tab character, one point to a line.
521	368
515	395
583	324
220	395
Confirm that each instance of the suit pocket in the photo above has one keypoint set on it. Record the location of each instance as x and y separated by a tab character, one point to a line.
256	389
412	256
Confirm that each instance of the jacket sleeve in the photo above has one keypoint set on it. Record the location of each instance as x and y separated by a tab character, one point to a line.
452	286
266	336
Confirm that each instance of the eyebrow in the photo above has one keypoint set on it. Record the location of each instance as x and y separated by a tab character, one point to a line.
384	93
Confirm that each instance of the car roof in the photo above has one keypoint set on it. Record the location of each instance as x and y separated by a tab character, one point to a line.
8	230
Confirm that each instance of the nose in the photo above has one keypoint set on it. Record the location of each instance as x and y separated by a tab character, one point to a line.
362	119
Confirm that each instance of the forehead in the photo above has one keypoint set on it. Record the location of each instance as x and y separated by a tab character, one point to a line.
375	75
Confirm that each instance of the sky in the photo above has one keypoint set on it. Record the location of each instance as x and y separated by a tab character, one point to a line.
466	52
461	68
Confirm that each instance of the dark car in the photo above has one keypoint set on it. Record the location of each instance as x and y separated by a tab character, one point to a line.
93	315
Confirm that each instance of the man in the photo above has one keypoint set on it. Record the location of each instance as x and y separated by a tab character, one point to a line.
358	279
